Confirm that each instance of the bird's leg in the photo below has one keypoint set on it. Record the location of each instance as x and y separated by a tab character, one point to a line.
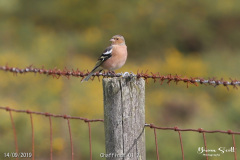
111	73
100	72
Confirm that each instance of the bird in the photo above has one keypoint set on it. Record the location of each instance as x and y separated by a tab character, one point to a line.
112	58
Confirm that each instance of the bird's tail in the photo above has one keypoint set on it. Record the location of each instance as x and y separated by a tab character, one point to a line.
88	77
91	73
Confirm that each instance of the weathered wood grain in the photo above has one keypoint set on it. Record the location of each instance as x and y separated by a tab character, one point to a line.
124	118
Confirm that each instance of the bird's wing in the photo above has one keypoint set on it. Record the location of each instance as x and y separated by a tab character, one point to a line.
107	53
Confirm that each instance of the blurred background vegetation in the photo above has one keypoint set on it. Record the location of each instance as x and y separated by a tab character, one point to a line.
189	38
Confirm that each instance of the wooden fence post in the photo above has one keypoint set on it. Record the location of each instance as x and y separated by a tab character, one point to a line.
124	118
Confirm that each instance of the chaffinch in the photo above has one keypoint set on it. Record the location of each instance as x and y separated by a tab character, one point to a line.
112	58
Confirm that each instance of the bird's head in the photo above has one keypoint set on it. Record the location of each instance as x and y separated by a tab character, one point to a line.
117	40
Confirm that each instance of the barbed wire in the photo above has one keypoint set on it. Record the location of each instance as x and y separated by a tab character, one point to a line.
156	77
89	121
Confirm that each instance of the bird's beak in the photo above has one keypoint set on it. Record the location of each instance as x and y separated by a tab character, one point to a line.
112	40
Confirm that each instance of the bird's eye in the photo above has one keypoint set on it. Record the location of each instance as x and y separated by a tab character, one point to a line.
117	38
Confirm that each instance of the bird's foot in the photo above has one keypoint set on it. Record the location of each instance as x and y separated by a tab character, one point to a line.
111	73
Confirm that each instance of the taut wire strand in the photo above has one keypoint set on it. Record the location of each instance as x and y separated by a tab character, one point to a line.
156	77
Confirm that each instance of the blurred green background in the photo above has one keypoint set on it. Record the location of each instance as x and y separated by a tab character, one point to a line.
189	38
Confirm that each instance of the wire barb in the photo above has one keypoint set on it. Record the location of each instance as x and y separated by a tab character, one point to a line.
156	77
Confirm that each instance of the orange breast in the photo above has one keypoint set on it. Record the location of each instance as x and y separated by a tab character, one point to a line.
118	59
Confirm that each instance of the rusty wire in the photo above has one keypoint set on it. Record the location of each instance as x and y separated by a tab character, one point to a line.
156	143
14	133
31	118
200	130
31	113
205	144
90	140
51	145
180	138
70	135
234	145
89	121
156	77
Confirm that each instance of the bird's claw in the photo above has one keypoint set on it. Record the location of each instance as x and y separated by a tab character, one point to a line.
111	74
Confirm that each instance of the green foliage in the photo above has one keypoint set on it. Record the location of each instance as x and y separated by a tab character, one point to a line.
188	38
